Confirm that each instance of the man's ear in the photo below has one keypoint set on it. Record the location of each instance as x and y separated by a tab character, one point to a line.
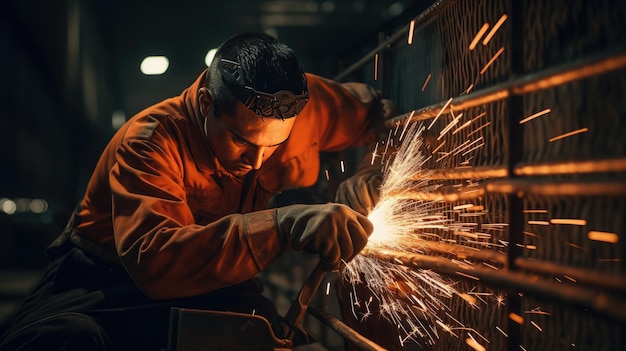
205	100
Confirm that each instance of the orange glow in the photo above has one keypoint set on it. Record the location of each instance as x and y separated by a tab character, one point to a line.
495	29
482	71
479	35
535	211
574	132
516	318
538	114
568	221
411	28
603	236
376	67
426	81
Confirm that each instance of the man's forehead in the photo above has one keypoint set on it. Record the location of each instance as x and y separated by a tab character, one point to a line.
257	130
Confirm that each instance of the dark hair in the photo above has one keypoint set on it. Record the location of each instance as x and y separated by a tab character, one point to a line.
267	64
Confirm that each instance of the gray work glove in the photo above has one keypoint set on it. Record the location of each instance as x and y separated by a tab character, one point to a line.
333	231
361	191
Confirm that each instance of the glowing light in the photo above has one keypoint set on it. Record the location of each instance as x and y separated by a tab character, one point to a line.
426	82
479	35
568	221
376	67
440	112
569	134
209	57
411	28
8	206
494	29
603	236
474	344
533	116
154	65
516	318
493	59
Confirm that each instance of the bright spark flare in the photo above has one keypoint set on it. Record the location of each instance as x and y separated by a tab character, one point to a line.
410	297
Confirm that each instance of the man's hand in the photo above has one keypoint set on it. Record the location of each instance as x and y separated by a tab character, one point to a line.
361	191
333	231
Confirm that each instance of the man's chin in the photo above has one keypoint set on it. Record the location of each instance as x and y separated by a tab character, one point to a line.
240	171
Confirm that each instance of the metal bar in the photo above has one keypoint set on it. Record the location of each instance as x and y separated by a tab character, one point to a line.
531	284
421	20
298	308
464	252
576	167
573	167
581	275
464	173
549	78
342	329
518	187
557	188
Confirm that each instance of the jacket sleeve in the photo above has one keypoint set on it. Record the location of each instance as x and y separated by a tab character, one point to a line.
165	252
348	114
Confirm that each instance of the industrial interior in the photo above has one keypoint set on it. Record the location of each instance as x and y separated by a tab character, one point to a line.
506	183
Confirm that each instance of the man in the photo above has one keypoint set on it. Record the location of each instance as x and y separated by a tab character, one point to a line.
175	211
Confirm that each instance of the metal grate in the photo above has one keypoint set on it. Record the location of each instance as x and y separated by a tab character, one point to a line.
541	107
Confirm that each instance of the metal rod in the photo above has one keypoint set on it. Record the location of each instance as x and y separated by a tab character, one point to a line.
421	20
298	308
532	284
556	188
553	168
519	187
581	275
464	173
465	252
342	329
549	78
577	167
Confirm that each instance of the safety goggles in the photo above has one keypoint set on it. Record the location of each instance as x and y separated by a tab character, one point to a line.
282	104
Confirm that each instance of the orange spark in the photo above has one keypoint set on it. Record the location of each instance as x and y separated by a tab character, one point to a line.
492	60
516	318
535	211
474	344
411	28
376	67
440	112
568	221
533	116
603	236
479	35
494	29
565	135
426	81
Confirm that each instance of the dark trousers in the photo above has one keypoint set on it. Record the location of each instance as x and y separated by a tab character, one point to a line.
86	303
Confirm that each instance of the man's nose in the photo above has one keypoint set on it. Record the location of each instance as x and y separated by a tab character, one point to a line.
254	157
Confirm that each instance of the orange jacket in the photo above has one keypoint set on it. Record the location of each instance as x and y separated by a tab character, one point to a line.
179	223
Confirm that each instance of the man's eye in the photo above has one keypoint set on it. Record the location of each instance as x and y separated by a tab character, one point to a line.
240	142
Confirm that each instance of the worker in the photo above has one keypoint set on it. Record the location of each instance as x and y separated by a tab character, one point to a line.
175	213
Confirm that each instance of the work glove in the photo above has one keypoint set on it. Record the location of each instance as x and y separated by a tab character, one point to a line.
334	231
361	191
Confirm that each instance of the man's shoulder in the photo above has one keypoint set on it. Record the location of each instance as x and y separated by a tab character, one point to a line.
145	124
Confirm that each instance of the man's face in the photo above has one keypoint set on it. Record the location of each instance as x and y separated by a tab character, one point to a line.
243	141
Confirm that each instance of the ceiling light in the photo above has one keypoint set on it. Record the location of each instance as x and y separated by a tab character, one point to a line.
154	65
209	57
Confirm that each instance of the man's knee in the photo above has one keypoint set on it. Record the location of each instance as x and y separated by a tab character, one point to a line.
65	331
